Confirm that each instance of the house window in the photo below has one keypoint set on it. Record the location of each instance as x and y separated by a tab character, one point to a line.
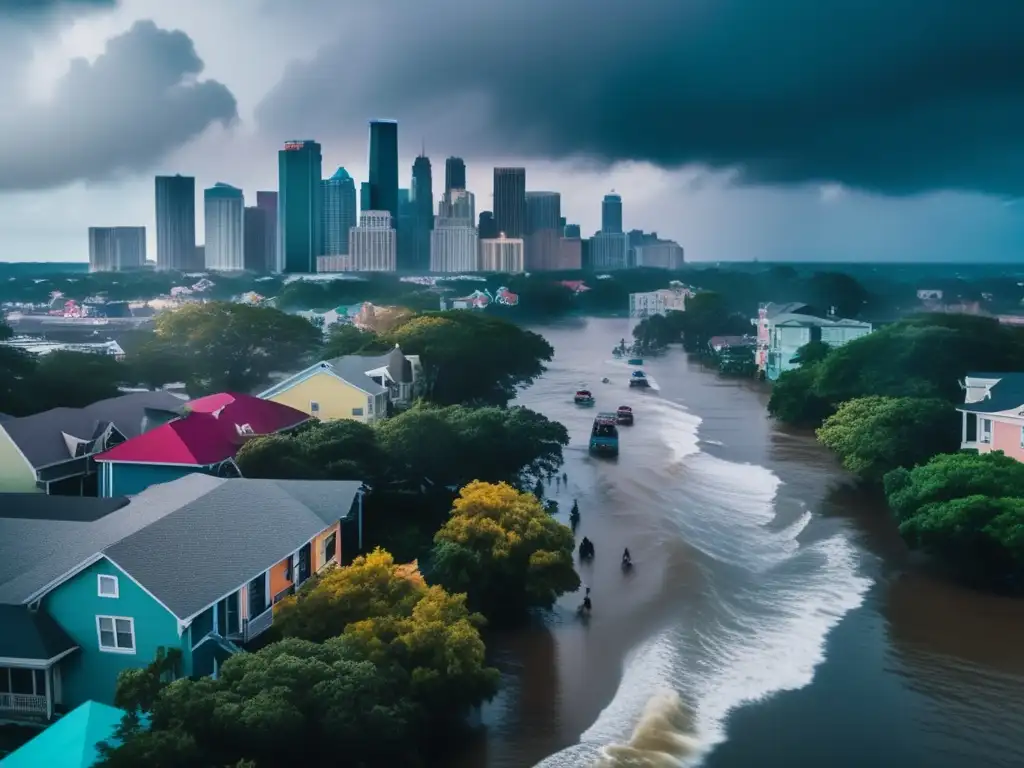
330	547
116	634
288	569
986	431
314	406
1022	437
106	585
357	411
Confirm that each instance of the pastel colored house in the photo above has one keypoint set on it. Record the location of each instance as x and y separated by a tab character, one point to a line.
360	387
71	742
783	328
205	440
993	413
53	451
91	587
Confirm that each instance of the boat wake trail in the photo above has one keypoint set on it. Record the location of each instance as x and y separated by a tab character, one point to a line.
771	591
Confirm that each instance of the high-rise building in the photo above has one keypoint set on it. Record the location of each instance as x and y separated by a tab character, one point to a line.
611	214
421	197
502	254
364	197
339	215
372	244
112	249
570	253
299	206
572	230
454	246
454	174
543	235
176	223
608	251
224	209
405	230
257	247
458	204
510	201
267	202
488	227
384	167
654	252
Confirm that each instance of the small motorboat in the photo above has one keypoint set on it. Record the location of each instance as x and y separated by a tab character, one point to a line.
636	361
583	397
624	415
639	379
617	352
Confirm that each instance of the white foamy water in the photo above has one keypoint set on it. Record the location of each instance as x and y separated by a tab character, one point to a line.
770	602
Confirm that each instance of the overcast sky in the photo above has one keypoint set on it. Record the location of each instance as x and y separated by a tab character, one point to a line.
786	130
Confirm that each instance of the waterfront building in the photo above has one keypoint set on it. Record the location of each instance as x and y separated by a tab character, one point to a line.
267	202
783	328
991	413
660	302
454	246
299	206
502	254
176	223
510	201
112	249
224	211
258	255
339	212
372	244
611	214
383	164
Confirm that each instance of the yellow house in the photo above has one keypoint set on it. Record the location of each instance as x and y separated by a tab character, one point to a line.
350	387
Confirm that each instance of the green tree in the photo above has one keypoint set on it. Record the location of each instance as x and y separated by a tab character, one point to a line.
836	290
16	369
95	377
157	363
794	400
236	347
349	340
470	357
812	352
336	450
874	435
504	551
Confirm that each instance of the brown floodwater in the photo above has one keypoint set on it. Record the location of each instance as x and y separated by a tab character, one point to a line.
773	617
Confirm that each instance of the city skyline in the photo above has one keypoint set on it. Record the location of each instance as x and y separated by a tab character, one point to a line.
789	167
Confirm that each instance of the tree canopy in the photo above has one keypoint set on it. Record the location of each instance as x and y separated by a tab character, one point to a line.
504	551
874	435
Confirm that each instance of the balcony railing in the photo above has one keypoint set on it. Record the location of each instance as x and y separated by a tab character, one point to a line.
24	703
256	626
289	590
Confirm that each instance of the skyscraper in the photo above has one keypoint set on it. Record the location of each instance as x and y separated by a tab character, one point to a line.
224	209
406	229
421	197
458	204
611	214
364	196
373	243
487	226
384	167
112	249
299	206
608	251
257	250
339	212
267	202
453	246
176	223
510	201
454	174
543	249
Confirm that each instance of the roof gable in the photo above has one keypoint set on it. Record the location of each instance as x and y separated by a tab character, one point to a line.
71	741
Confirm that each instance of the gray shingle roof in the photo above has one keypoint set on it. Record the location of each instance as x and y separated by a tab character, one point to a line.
29	635
353	368
41	435
40	506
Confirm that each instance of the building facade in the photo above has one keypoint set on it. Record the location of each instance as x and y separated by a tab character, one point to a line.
257	252
608	251
339	214
993	413
373	243
458	203
658	302
421	200
611	214
510	201
487	227
112	249
454	246
267	202
502	254
570	254
224	210
783	328
299	206
383	164
660	254
454	174
176	223
543	231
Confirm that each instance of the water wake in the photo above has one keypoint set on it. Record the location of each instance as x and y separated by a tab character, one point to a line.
663	738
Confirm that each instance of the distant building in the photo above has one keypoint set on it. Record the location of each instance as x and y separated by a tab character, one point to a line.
405	228
176	223
454	174
543	234
572	230
373	243
224	208
364	197
267	202
383	163
339	212
454	246
659	302
608	251
334	263
112	249
510	201
661	254
570	254
783	328
257	251
611	214
458	204
421	198
488	227
299	206
502	254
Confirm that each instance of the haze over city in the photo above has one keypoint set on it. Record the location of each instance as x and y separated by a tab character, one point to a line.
803	143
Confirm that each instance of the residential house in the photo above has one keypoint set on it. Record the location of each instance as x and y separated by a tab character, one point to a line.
196	564
671	299
205	440
54	451
360	387
71	742
993	413
783	328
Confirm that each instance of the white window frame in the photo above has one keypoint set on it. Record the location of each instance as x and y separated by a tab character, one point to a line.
314	407
99	586
985	432
360	413
114	619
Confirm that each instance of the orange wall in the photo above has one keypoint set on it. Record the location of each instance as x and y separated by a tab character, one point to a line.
278	582
1005	438
317	546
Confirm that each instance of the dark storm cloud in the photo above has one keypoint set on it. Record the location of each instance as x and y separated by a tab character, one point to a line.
32	10
896	96
121	113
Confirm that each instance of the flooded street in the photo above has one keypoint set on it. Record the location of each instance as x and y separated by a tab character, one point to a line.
771	618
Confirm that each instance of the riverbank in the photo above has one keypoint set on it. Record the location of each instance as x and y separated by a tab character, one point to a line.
783	609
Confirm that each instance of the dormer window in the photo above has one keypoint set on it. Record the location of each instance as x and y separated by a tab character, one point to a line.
245	429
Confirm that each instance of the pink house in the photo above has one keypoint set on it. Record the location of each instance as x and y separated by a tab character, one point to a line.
993	413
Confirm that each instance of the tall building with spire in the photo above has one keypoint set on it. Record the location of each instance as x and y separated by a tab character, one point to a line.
421	198
299	206
339	214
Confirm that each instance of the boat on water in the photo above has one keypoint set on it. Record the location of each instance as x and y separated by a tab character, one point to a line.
636	361
604	435
639	379
624	415
617	352
583	397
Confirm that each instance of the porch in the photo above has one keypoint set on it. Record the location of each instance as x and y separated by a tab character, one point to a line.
29	695
976	432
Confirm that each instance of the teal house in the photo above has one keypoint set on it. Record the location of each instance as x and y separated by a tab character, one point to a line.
90	587
71	742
